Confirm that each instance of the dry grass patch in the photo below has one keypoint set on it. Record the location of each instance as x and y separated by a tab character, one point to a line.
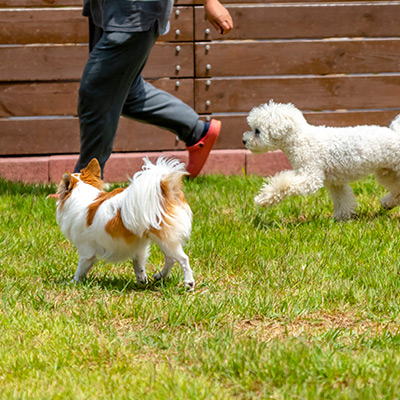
314	325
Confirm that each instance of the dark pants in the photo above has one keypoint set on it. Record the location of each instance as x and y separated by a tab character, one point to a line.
112	85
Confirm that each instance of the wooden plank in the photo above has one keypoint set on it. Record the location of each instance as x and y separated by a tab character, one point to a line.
182	27
234	125
60	99
39	3
294	57
187	2
67	25
175	60
311	20
307	92
38	99
61	135
42	62
66	62
353	118
64	25
39	136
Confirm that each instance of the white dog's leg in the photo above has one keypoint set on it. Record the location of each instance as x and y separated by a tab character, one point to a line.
285	184
344	203
139	264
84	266
389	201
390	180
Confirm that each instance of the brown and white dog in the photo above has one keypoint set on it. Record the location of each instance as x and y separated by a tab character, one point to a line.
120	224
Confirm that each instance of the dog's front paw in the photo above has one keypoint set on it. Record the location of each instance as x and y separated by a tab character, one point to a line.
142	280
344	215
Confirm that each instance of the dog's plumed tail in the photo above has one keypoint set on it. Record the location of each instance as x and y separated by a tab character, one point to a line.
395	124
154	196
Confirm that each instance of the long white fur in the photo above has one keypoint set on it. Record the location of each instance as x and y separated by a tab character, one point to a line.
324	156
141	206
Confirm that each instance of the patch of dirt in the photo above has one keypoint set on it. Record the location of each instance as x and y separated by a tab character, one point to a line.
313	325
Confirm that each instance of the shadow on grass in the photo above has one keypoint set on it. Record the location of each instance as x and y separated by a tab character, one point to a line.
265	221
119	283
370	215
126	284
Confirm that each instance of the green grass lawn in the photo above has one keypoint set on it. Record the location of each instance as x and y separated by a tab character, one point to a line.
289	304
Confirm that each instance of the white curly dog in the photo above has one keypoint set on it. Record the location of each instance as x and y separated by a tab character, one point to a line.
324	156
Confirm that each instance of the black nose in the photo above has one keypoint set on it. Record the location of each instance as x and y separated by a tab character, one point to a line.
244	142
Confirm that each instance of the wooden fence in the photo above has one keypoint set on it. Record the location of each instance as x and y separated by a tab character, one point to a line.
339	61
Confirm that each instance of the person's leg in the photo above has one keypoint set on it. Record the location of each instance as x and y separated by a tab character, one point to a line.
114	64
151	105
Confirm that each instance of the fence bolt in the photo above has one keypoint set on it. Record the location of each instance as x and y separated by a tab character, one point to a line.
207	31
178	49
177	84
177	12
177	32
208	67
208	82
208	118
178	68
208	47
208	103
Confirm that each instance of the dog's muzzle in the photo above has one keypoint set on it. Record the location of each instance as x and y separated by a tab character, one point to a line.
244	141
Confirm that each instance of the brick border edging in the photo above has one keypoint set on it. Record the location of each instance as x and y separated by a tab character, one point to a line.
49	169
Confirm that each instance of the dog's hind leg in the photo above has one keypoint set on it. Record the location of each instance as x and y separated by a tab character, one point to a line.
139	263
84	266
390	180
344	203
174	252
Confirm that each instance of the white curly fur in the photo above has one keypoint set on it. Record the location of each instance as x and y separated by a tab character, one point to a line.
324	156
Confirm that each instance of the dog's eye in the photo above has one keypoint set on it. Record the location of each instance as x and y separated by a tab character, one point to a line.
257	131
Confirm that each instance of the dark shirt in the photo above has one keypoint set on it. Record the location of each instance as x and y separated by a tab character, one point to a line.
128	15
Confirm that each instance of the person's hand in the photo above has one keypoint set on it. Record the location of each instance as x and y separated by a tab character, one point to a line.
218	16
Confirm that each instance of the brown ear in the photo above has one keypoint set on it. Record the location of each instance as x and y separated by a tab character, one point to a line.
66	185
66	179
93	169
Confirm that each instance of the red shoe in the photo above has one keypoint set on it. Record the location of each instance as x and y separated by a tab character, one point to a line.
198	153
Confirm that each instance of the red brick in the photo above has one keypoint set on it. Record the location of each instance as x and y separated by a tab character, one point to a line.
227	162
59	164
267	164
25	169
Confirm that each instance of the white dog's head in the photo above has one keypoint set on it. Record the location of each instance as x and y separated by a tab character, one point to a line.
272	125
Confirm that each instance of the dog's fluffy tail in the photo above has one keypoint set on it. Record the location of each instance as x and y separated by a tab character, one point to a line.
395	124
155	196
